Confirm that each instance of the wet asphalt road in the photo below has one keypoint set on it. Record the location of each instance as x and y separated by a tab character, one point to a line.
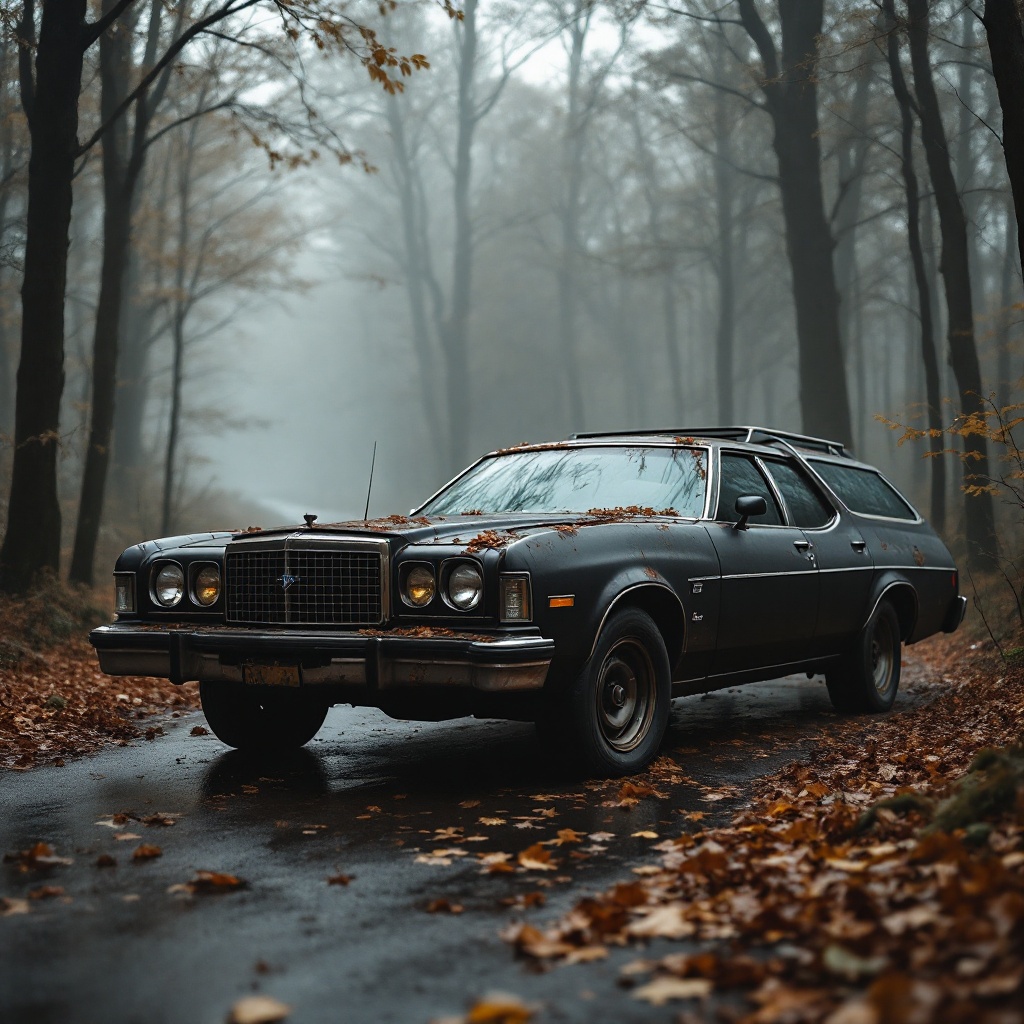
364	799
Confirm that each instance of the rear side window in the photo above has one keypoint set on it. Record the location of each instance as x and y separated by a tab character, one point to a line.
864	491
740	477
807	507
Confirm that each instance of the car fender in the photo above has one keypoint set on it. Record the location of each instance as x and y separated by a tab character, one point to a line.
893	586
638	587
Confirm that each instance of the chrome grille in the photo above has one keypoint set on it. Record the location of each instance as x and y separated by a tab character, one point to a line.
328	587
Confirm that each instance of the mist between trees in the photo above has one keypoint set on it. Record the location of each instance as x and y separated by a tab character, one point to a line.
297	228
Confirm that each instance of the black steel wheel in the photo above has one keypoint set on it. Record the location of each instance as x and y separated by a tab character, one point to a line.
612	719
253	719
869	677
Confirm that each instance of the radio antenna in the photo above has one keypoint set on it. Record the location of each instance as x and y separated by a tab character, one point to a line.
369	486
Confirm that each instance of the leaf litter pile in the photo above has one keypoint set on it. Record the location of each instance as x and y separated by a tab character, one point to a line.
54	700
879	881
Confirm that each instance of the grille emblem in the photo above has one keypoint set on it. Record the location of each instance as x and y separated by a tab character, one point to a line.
286	581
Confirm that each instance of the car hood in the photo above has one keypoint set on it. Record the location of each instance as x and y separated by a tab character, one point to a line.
458	529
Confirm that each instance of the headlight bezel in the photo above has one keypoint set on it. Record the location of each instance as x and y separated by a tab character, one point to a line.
407	570
449	568
156	569
195	570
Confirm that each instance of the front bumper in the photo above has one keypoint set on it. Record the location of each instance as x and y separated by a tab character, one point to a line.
182	654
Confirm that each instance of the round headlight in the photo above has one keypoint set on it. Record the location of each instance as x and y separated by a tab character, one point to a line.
206	588
169	585
419	587
465	587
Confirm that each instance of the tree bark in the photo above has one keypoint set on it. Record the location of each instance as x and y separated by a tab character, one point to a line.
568	268
32	541
725	220
954	267
790	91
929	357
118	186
1004	26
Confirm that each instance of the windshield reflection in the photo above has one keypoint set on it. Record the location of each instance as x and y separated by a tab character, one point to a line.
669	481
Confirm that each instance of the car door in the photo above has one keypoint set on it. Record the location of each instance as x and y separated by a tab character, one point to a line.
769	585
845	564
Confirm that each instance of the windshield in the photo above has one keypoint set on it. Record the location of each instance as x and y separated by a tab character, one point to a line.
670	481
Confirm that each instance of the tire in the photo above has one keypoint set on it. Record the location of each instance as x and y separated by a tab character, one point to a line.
257	721
612	719
869	676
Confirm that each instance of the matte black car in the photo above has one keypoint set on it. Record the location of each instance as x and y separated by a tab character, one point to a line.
581	584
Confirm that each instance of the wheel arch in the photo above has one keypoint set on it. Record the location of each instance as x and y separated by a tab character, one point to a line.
662	604
901	594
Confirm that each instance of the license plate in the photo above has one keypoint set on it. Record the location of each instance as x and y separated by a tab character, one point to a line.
270	675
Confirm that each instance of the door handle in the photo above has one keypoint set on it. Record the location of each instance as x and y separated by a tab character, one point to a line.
858	545
802	545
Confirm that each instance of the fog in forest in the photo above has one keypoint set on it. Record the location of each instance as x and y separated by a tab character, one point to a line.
580	216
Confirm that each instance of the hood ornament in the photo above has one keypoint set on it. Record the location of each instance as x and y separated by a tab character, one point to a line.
310	519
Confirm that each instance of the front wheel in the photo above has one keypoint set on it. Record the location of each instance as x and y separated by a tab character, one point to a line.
612	719
869	676
255	720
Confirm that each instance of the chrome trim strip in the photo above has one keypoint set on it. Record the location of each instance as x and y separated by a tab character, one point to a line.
764	575
770	668
885	590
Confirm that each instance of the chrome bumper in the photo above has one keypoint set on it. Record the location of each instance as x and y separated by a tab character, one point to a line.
376	662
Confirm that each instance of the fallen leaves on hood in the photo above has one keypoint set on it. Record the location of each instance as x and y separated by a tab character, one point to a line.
340	879
147	851
45	892
258	1010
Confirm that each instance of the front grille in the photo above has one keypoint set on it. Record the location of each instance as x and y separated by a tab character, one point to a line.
326	587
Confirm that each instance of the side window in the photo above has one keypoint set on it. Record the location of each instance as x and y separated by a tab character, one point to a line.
863	490
741	477
806	506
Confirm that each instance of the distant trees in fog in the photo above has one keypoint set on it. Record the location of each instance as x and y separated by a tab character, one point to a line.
594	215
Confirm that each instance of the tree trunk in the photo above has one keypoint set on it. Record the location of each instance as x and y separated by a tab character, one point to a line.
118	186
725	194
929	357
1004	25
1008	291
453	337
568	268
32	540
954	267
790	90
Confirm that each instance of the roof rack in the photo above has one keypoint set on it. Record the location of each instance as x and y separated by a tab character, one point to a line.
747	434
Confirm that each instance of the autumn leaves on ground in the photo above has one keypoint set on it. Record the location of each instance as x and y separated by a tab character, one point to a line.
54	700
880	880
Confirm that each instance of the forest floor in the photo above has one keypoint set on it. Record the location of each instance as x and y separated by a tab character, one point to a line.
55	702
877	877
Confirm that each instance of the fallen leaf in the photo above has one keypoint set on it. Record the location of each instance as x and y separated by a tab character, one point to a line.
199	730
9	906
663	922
45	892
536	858
645	835
340	879
663	990
491	821
258	1010
104	860
500	1008
147	852
443	906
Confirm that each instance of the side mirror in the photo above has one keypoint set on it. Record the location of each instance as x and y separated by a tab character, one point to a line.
749	505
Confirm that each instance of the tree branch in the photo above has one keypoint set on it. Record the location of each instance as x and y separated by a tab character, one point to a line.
95	29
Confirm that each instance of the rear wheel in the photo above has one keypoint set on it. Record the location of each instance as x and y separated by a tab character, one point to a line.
868	678
256	720
612	719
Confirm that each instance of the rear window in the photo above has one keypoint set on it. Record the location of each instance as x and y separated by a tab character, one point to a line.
864	491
